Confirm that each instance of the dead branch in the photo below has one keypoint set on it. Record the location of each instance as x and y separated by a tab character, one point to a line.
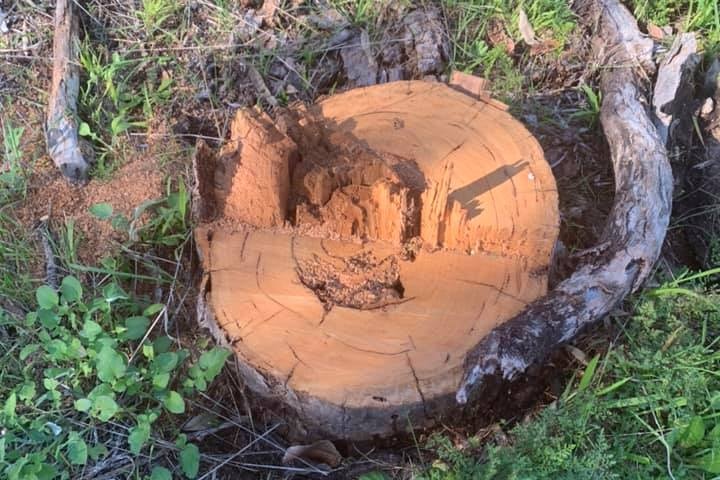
62	125
636	226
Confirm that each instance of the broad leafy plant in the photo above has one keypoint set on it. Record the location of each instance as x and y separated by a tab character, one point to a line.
90	366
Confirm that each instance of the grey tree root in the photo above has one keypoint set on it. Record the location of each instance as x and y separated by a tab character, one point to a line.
635	230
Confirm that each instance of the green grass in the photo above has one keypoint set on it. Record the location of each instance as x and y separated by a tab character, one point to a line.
471	52
649	407
702	16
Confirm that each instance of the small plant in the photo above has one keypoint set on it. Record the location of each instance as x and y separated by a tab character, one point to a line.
154	13
12	178
591	112
167	226
118	95
87	367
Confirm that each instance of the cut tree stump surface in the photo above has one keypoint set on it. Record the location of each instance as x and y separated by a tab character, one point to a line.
356	250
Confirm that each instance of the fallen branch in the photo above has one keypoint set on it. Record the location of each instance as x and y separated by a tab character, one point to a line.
62	126
636	226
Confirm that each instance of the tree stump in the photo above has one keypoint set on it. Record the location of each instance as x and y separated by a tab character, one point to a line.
355	251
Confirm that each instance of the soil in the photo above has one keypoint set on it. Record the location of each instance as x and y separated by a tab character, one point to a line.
138	180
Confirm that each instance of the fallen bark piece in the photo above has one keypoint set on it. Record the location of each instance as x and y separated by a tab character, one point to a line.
417	220
636	227
359	62
675	74
62	121
426	37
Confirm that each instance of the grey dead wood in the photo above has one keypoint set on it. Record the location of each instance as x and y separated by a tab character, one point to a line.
635	229
63	143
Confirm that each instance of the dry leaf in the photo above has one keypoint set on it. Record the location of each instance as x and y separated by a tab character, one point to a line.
543	47
655	32
322	451
526	30
267	11
200	422
579	355
498	36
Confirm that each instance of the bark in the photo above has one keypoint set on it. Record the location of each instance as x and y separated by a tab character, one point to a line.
62	134
636	227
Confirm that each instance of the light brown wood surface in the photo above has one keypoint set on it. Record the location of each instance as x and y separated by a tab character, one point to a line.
487	218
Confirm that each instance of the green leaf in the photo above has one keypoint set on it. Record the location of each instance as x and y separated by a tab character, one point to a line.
165	362
10	405
102	211
83	404
153	309
104	408
48	318
112	293
190	460
212	362
46	297
91	330
27	392
28	350
110	364
174	402
694	433
139	435
162	344
136	327
161	380
77	449
589	372
373	476
84	130
160	473
71	289
711	461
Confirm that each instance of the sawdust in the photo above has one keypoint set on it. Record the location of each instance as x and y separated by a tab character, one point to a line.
139	180
360	281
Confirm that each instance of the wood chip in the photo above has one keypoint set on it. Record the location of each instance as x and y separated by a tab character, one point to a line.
472	85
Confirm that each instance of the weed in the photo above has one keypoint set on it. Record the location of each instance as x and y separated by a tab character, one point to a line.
590	113
360	12
84	365
119	94
167	226
702	16
551	19
12	177
16	251
154	13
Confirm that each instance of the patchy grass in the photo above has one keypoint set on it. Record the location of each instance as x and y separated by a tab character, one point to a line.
473	52
702	16
648	407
